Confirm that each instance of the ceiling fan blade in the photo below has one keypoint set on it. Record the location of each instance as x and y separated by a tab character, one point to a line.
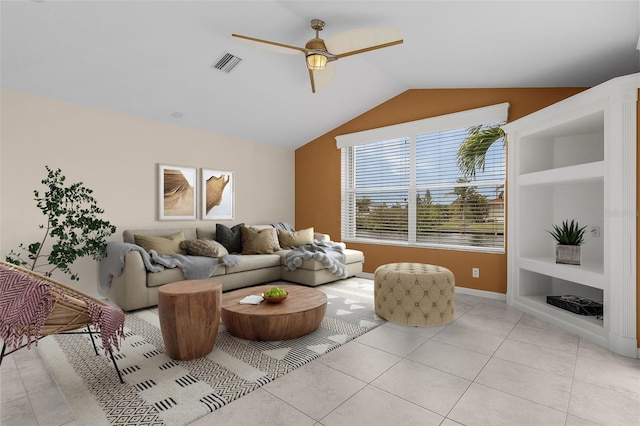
313	83
367	49
322	79
360	40
270	43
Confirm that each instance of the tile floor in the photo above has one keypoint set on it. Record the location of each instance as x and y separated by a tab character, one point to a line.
493	365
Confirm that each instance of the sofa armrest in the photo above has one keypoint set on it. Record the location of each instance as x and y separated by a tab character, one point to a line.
129	289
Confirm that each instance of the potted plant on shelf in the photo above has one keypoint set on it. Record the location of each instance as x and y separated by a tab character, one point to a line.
569	237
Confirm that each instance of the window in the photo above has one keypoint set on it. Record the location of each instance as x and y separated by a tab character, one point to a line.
408	189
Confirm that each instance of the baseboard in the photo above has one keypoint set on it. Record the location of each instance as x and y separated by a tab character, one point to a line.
366	275
481	293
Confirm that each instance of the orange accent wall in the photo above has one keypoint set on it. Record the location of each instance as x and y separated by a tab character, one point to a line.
317	192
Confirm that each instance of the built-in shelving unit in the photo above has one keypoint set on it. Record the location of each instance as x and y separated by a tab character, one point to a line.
576	159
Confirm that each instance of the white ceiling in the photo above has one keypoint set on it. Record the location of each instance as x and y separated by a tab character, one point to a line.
153	58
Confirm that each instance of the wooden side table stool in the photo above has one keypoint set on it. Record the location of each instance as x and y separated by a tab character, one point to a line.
189	314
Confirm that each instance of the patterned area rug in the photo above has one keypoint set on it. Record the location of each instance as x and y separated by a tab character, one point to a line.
161	391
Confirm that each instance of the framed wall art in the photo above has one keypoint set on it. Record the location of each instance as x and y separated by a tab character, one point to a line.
217	194
177	192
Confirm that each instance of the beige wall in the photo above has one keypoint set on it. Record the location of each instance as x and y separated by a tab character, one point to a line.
117	156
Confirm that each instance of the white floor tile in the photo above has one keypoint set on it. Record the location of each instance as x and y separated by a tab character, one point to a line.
451	359
11	387
391	340
541	387
548	359
257	408
556	339
497	310
17	413
425	332
591	350
430	388
531	321
360	361
481	405
372	406
469	339
577	421
603	406
485	324
619	377
314	389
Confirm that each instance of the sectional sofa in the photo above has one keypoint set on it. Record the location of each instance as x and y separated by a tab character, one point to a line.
136	288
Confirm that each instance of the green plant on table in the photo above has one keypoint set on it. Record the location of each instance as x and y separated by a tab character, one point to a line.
73	223
568	234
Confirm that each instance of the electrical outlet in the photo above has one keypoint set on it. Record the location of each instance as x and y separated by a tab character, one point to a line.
475	272
595	231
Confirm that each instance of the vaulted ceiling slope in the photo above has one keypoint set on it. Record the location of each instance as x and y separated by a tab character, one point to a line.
153	59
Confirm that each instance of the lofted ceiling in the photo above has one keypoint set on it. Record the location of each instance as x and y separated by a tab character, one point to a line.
153	59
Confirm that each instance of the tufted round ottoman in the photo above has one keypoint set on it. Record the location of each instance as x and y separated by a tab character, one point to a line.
414	293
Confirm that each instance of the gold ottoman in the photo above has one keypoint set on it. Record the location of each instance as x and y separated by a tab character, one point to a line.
414	293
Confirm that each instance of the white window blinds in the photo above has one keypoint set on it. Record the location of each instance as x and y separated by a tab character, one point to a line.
409	189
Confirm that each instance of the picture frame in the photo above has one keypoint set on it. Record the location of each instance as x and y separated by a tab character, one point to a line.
177	192
217	194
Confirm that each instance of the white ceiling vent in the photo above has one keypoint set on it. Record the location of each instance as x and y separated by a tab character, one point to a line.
226	62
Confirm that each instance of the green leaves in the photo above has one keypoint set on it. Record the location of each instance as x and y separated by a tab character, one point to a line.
73	223
569	234
473	150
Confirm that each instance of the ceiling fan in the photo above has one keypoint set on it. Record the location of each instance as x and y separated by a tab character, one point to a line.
319	59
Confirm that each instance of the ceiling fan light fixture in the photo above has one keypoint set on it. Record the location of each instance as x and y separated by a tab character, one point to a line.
315	58
316	61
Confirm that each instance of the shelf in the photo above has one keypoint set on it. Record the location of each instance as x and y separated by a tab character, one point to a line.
588	273
576	160
589	172
584	326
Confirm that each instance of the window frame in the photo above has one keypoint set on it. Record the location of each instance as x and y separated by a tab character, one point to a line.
410	131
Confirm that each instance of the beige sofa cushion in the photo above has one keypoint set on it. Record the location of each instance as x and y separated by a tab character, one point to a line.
155	279
203	247
254	262
292	239
264	241
128	234
168	244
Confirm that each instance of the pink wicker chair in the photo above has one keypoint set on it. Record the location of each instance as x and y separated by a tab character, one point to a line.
33	306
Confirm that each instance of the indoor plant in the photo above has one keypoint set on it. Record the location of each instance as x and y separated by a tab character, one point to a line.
569	237
73	223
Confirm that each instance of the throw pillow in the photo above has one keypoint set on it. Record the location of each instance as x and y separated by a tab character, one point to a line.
165	245
203	247
264	241
230	238
293	239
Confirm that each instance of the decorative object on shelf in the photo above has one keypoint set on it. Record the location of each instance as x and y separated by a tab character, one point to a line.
177	193
73	223
217	194
577	305
569	237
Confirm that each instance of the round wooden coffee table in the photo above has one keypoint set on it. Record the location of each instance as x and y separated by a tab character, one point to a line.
299	314
189	314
